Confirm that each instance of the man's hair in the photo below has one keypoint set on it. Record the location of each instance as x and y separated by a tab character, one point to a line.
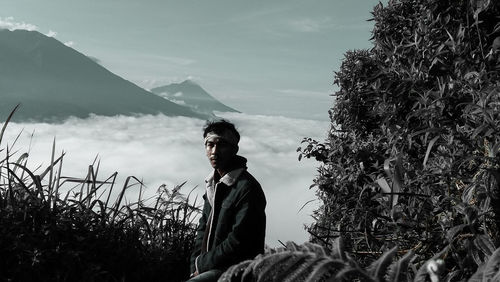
219	127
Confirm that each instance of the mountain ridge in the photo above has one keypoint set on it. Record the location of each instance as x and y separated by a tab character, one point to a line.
52	82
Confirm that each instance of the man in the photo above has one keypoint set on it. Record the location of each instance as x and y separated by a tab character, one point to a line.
232	226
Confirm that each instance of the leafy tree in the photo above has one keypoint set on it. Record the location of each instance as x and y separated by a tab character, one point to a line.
413	154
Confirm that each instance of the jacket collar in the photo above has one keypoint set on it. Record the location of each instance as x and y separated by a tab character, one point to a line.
240	164
228	179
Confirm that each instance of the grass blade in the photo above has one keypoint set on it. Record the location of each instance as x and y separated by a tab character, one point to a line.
7	121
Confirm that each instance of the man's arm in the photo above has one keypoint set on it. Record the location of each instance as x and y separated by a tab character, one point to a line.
200	232
246	238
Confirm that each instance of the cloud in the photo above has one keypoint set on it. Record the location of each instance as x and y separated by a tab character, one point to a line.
170	150
10	24
179	102
153	81
96	60
51	33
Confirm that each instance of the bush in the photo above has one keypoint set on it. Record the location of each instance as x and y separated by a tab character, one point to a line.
46	236
412	157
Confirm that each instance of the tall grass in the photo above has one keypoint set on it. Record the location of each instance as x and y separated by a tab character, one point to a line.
85	234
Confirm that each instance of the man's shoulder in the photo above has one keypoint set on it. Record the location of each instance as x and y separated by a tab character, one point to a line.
247	183
246	178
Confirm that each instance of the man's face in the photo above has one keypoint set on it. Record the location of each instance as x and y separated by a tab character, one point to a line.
219	152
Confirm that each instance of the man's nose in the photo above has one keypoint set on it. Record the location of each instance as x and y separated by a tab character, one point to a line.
215	149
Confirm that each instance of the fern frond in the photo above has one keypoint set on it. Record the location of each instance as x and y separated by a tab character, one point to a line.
338	248
492	266
350	273
378	268
397	270
478	276
325	269
422	273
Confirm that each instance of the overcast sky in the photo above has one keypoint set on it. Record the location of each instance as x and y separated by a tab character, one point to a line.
261	57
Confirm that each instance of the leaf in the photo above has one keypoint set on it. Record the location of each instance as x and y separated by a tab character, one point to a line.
22	157
495	150
304	205
492	266
387	167
397	183
338	248
478	275
7	122
323	268
21	182
476	256
429	148
483	243
452	232
470	75
351	273
422	274
496	277
496	174
398	269
397	179
478	130
482	5
384	185
379	267
50	167
468	194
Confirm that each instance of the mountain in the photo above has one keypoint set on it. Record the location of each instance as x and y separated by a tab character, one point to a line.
190	94
53	82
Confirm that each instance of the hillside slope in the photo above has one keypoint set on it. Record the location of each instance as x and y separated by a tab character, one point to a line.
53	82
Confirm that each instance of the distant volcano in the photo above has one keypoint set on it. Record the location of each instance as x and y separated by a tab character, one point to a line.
190	94
53	82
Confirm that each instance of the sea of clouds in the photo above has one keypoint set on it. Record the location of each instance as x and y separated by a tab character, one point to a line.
169	150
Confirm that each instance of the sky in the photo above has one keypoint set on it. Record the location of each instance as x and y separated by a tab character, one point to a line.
260	57
169	150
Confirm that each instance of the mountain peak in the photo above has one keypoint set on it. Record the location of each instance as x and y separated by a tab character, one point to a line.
53	81
191	94
189	82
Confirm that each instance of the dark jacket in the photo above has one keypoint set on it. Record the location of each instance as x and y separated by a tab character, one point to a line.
238	224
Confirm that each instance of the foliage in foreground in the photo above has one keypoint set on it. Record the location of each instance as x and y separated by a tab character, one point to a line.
311	262
83	235
412	158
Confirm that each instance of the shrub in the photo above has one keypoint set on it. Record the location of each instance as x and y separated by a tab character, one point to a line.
412	157
46	236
